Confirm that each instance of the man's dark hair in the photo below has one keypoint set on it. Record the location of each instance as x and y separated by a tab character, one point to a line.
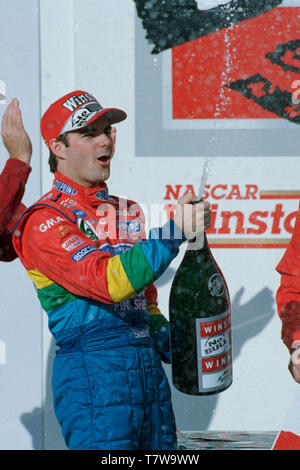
52	157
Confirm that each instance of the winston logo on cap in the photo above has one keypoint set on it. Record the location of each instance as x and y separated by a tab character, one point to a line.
74	101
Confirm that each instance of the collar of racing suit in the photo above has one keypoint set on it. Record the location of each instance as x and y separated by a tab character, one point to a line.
93	196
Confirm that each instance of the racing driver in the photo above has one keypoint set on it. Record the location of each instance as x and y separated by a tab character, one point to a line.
87	254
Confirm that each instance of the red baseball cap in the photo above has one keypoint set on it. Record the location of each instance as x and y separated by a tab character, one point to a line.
74	111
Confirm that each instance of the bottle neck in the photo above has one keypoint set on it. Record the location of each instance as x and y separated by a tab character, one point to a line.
198	244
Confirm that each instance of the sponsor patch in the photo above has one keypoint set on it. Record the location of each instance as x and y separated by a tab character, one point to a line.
68	203
50	223
79	213
64	188
102	195
82	115
62	230
83	252
71	243
87	228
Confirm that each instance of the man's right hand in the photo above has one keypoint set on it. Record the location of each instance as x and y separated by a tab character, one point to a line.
192	219
15	138
294	365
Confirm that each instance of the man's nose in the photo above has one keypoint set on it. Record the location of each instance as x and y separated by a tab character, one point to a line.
104	140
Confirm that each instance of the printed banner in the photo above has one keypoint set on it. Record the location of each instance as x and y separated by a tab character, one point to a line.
243	215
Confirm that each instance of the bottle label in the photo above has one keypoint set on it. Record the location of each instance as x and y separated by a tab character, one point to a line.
214	352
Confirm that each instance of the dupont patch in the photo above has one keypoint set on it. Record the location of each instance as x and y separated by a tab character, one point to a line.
64	188
83	252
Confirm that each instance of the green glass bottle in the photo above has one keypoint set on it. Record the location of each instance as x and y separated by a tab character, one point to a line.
200	324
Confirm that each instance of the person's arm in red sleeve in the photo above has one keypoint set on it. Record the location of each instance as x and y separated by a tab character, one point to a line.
12	186
288	296
13	177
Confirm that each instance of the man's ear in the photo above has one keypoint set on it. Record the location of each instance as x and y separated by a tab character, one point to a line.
58	148
113	138
114	134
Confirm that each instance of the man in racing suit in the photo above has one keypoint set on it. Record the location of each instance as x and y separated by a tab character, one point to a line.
86	252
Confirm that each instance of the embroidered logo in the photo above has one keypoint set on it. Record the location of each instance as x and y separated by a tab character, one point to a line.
71	243
83	252
64	188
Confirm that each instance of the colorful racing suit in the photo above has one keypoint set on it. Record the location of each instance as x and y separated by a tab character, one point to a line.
93	270
288	294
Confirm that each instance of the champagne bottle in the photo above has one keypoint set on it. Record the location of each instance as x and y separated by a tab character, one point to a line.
200	324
